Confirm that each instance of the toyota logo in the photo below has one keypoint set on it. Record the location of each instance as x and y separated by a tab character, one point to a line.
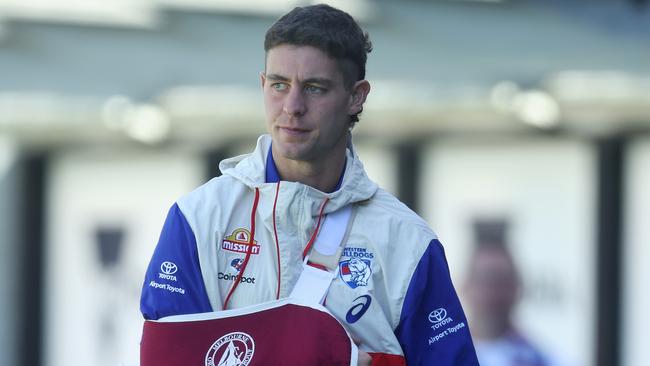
168	268
437	315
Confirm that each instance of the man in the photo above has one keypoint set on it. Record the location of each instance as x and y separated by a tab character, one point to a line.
240	239
492	290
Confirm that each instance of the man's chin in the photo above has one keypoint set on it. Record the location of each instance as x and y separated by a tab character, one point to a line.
293	151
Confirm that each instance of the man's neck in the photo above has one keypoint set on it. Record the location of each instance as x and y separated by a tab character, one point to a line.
323	174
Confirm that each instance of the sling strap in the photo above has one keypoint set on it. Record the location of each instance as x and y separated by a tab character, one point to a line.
320	266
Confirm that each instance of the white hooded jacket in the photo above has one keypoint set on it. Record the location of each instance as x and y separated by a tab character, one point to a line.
393	294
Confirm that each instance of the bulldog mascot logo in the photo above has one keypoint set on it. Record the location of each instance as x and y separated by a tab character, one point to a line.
355	272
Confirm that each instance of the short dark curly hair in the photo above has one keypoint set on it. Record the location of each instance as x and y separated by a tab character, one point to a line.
331	30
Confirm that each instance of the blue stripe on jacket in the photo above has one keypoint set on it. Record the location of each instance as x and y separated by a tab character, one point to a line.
433	328
173	282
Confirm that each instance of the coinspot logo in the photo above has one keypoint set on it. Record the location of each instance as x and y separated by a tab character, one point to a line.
168	268
437	315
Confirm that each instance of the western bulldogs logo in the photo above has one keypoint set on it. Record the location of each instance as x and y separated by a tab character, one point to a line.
233	349
236	264
355	272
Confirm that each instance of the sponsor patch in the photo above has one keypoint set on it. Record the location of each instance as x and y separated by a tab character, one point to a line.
357	310
355	272
443	325
438	315
233	277
167	287
238	242
167	271
354	252
236	264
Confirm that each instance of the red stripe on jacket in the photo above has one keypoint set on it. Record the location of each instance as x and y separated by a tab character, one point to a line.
386	359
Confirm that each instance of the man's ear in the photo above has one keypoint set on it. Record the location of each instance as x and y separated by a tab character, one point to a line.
360	91
262	79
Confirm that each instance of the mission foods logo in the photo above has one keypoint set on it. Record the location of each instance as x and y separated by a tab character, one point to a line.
238	242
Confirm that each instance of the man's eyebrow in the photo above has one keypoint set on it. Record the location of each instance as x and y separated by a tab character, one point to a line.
315	80
321	81
277	77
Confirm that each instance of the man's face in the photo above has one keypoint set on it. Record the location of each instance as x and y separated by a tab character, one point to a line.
306	101
493	285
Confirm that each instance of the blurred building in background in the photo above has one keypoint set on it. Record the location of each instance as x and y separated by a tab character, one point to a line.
535	114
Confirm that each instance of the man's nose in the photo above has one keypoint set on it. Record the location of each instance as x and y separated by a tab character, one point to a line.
294	103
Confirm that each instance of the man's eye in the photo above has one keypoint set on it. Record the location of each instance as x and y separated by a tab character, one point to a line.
279	86
311	89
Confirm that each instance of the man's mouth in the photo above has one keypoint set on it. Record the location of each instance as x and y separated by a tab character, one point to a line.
293	131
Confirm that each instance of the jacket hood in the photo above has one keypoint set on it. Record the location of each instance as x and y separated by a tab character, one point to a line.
250	169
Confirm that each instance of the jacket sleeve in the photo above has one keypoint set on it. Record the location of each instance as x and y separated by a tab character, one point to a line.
433	329
173	283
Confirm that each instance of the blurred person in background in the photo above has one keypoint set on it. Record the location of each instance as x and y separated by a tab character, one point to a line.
492	290
393	291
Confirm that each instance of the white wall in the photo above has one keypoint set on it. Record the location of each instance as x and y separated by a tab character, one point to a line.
636	289
545	189
92	315
380	163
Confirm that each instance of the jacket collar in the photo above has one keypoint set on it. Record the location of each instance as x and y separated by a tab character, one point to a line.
255	169
273	176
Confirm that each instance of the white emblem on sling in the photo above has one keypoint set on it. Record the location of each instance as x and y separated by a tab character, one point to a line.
233	349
